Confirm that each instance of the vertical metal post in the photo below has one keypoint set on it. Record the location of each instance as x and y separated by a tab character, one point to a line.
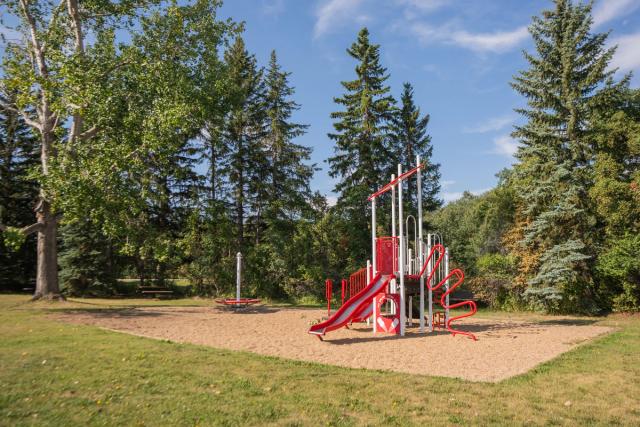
393	284
238	274
446	285
420	247
373	235
369	278
401	251
430	318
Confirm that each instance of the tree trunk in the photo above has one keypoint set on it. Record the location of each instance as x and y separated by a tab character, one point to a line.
47	271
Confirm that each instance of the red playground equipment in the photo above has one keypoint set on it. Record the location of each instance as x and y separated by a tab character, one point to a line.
400	269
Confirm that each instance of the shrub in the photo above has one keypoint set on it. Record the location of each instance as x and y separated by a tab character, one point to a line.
618	271
493	282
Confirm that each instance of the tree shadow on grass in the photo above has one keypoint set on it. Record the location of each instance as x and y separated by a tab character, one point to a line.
102	312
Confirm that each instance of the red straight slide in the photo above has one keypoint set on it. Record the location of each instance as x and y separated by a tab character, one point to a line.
354	308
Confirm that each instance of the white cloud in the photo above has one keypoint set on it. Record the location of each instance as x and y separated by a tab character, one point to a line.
447	183
499	41
494	124
627	57
332	200
612	9
505	145
333	13
423	5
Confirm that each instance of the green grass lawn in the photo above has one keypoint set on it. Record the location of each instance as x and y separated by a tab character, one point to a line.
53	373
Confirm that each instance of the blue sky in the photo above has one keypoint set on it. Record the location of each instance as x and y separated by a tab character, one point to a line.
459	55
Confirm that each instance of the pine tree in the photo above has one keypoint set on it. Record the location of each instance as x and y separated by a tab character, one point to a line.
243	133
409	139
566	82
362	161
18	154
289	188
86	260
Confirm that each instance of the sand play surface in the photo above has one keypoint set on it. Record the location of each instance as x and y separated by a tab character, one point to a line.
504	347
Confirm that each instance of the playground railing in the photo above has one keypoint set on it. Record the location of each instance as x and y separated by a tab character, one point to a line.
357	282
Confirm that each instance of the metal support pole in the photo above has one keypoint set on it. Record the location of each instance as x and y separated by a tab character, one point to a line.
369	277
430	318
393	285
401	251
238	274
410	318
373	235
420	247
446	285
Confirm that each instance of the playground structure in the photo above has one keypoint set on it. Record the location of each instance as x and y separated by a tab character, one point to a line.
400	269
238	302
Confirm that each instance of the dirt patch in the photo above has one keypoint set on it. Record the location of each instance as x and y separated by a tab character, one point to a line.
504	348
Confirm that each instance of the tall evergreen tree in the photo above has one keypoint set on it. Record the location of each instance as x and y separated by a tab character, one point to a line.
567	80
243	134
409	139
289	187
288	190
362	160
18	154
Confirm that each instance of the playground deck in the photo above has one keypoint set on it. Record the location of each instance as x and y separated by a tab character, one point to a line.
505	347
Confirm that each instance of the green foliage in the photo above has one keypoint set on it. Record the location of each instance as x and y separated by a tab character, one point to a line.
13	238
409	138
474	225
86	261
493	281
362	161
18	191
618	270
208	265
566	84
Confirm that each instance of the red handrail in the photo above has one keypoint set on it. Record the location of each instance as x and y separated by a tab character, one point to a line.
343	285
460	276
328	291
357	281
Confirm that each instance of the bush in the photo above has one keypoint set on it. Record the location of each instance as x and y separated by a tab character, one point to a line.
618	271
493	282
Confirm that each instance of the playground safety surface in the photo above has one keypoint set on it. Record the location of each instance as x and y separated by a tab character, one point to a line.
505	347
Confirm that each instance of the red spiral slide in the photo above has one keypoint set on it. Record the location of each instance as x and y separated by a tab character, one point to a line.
459	275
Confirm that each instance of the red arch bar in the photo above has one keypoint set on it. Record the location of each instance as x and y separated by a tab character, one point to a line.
392	183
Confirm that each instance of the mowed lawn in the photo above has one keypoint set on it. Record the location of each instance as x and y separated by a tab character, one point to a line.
52	373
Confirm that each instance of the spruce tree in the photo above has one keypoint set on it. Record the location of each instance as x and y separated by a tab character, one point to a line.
409	139
289	188
363	161
86	260
567	80
243	134
18	193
